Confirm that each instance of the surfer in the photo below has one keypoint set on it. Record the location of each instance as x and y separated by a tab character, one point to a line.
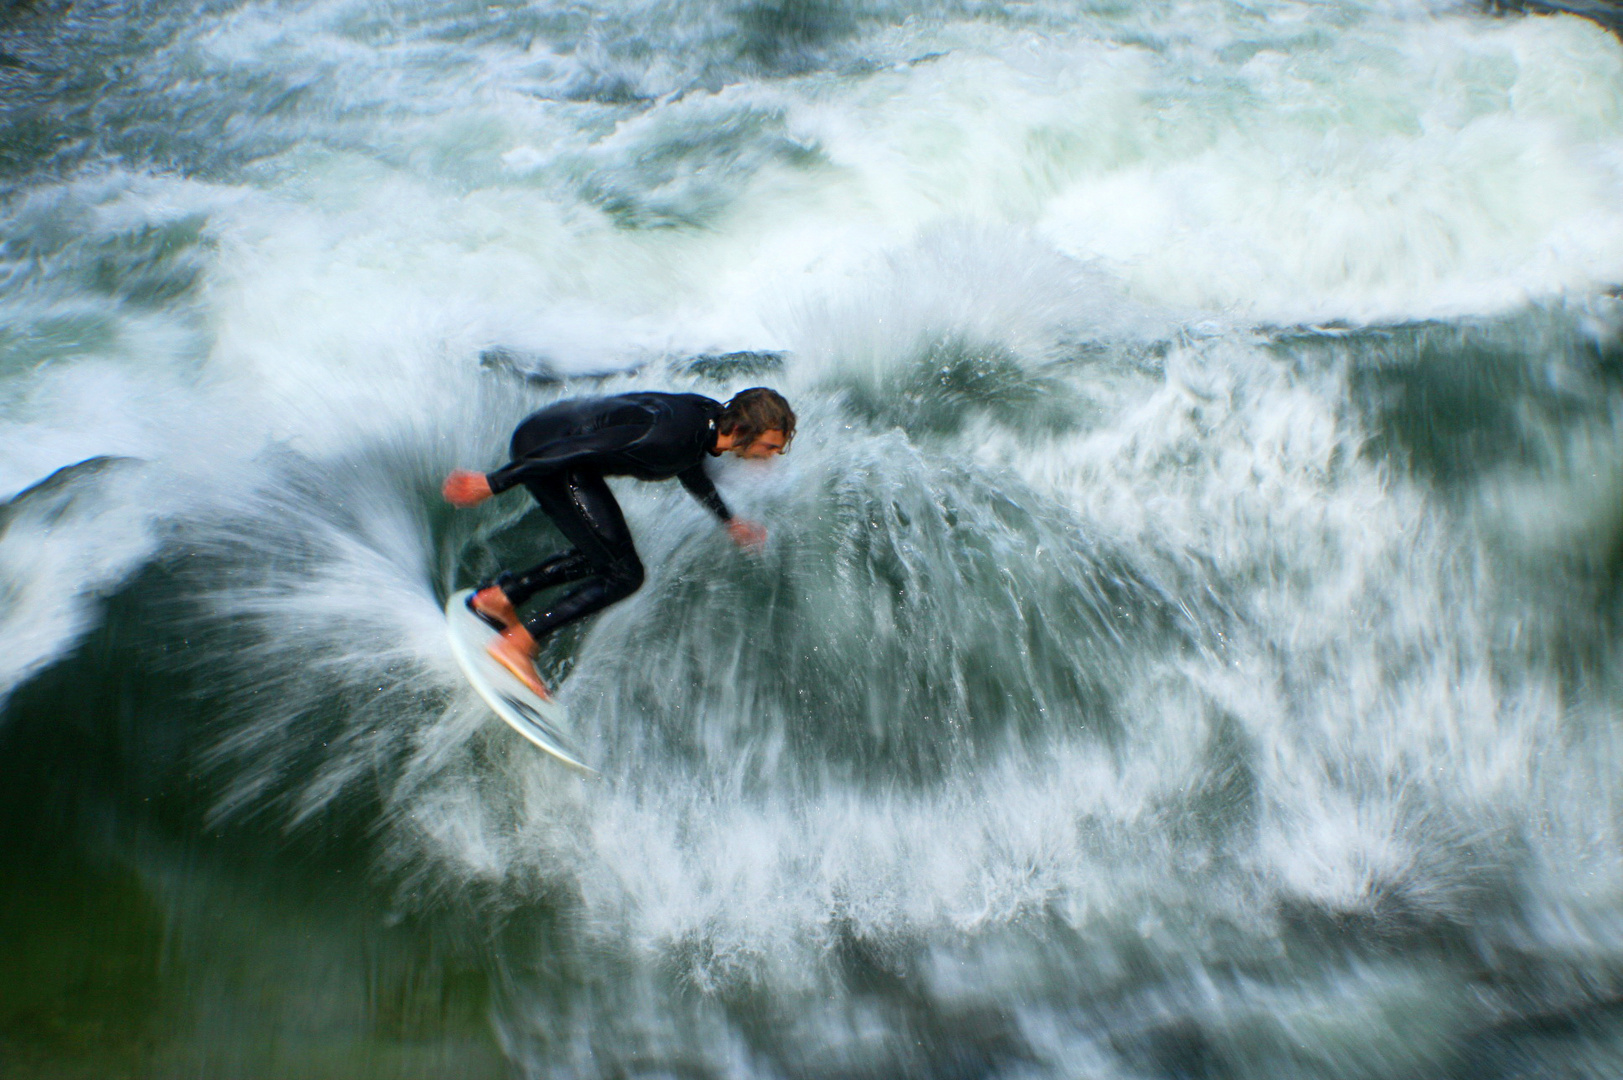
561	455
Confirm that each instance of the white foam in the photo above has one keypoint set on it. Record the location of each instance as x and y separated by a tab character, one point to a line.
1320	713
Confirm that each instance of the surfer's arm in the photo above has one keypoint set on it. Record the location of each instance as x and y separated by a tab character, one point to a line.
699	485
571	451
746	534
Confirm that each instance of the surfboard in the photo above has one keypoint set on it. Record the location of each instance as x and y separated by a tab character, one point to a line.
543	722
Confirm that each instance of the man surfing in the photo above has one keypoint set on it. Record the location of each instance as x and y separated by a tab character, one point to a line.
561	455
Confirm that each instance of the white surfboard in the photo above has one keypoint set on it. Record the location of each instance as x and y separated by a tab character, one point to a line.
541	721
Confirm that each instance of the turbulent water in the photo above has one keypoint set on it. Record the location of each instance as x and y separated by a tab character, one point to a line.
1185	643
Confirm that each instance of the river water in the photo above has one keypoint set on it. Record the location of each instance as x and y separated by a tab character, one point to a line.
1186	642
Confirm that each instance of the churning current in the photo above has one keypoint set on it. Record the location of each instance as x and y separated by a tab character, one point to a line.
1186	640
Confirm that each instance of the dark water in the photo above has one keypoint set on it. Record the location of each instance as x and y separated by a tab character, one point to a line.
1186	643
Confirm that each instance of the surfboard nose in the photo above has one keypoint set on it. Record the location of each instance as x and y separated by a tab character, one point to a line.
542	720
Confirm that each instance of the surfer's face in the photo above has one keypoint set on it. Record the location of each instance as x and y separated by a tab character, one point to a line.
766	444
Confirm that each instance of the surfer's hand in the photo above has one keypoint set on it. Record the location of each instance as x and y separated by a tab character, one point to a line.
746	534
465	488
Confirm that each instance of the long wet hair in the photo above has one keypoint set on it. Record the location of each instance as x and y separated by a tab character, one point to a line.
751	413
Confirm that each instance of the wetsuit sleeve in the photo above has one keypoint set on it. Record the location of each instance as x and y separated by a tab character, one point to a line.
570	452
697	481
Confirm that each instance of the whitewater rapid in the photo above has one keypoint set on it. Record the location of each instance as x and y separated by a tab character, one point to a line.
1184	643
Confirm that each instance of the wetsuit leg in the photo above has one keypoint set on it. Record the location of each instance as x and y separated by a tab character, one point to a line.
558	570
548	425
582	506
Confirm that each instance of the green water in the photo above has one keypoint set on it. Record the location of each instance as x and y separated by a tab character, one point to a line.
1185	647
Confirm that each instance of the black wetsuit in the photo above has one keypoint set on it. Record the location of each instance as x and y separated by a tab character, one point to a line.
562	453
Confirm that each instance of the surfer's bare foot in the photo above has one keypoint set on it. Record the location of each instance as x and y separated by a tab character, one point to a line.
515	650
491	605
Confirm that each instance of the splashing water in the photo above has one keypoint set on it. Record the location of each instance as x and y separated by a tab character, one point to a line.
1185	641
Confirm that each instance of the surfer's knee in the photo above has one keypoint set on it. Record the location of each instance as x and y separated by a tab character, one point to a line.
625	576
